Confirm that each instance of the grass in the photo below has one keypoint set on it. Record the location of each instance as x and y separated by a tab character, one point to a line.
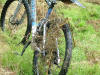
85	57
84	69
86	39
2	1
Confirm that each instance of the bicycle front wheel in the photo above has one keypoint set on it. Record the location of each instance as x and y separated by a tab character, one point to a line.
16	20
58	52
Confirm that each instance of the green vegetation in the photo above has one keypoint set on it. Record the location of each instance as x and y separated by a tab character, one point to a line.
2	1
85	25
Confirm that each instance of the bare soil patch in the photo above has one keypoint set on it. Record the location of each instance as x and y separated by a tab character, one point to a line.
5	71
93	56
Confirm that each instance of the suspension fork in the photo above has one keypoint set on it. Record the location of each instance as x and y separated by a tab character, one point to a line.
51	6
22	18
44	36
12	20
16	11
45	28
24	14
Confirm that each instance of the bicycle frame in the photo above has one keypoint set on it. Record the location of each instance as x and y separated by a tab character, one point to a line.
34	23
33	16
32	4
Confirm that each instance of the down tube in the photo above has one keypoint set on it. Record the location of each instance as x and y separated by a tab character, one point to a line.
33	14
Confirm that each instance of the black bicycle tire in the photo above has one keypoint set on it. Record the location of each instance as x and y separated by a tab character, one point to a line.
29	27
68	52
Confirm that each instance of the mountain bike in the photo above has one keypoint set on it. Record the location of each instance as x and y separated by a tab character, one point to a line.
52	42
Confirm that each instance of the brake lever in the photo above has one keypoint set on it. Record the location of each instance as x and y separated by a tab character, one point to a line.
78	3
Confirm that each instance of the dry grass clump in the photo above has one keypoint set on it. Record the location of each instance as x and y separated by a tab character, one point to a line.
93	56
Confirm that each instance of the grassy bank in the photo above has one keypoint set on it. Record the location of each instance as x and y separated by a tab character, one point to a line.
85	24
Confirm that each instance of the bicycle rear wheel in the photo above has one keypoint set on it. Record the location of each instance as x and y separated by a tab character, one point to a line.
44	65
20	28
